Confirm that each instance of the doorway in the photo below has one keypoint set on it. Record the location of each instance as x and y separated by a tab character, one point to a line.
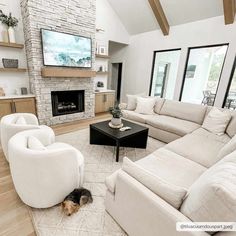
116	79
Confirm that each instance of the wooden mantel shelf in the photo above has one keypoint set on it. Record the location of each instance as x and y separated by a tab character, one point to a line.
13	70
60	72
11	45
102	56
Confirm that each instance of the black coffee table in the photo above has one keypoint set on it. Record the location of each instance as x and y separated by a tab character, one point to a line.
102	134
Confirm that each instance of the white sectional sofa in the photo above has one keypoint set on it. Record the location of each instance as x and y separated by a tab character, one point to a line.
193	159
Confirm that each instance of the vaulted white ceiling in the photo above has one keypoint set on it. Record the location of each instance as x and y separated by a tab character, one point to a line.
137	15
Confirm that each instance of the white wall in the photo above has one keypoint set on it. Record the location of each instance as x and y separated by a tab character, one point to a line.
12	81
117	53
140	52
114	30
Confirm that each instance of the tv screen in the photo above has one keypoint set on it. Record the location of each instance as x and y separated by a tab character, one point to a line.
60	49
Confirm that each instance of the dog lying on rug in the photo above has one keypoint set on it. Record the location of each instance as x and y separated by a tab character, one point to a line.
75	200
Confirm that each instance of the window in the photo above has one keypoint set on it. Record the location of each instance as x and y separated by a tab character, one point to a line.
202	74
164	73
230	98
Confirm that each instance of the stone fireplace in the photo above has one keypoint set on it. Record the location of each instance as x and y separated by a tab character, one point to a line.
74	17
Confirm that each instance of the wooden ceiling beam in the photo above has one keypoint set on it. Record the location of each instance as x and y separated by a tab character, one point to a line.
229	11
160	16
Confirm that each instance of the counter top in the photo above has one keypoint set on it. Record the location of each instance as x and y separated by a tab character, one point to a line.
14	96
105	91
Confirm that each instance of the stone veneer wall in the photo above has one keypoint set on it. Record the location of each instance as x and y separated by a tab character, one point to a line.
68	16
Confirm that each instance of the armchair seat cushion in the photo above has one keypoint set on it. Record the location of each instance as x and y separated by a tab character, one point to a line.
172	125
200	146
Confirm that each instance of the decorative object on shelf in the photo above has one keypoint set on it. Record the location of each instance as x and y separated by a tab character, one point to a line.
116	121
17	91
102	69
2	93
4	36
11	22
24	91
102	50
100	84
10	63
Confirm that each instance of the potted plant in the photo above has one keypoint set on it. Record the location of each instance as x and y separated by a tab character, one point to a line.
10	22
116	115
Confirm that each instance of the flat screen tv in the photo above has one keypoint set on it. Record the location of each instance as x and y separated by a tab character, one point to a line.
60	49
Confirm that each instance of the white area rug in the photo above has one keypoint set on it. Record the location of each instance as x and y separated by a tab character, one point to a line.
91	220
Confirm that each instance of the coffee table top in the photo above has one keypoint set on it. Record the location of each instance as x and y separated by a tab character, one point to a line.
104	128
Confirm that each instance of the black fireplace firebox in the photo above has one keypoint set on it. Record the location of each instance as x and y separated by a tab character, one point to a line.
67	102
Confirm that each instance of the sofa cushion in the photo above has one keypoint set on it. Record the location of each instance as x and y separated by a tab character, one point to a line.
200	146
186	111
172	167
231	128
34	144
171	124
134	116
158	105
145	105
228	148
216	121
212	198
110	181
20	120
132	101
172	194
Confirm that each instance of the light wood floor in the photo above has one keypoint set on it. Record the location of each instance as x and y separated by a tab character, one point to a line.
14	216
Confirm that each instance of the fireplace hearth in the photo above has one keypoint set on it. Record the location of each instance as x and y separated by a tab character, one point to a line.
67	102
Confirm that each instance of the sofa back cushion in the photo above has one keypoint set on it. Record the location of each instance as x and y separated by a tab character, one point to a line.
185	111
231	128
212	198
158	105
216	121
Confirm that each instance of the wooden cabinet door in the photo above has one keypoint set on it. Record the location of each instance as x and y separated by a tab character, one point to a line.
109	100
5	107
99	102
25	105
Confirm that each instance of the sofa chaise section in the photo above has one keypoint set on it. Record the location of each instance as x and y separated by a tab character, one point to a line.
141	212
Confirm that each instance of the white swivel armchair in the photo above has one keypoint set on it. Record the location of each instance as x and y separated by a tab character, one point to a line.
9	127
43	178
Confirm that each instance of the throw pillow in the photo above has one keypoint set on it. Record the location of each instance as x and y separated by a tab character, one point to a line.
158	105
132	101
145	105
34	144
172	194
217	121
212	197
20	120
